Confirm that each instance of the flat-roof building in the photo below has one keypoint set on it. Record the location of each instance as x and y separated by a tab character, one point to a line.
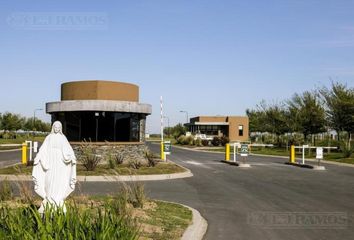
100	111
236	128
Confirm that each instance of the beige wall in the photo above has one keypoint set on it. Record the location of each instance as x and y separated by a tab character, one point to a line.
234	122
99	90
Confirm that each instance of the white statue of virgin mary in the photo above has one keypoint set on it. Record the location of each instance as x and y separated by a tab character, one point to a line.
54	170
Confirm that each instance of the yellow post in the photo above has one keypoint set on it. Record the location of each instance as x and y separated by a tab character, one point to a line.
292	154
24	153
162	152
227	152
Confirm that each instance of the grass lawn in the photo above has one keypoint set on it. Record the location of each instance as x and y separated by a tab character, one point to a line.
18	140
155	220
21	140
160	168
333	156
167	221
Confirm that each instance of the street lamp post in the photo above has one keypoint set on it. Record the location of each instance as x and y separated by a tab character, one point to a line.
34	117
187	119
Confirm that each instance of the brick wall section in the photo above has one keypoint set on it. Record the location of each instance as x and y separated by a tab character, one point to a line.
234	123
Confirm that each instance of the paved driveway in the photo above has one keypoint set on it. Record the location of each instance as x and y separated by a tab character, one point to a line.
271	200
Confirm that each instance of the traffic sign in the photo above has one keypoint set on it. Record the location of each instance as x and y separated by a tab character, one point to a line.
167	147
244	150
319	153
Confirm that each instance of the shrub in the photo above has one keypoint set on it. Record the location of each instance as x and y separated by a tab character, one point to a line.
205	142
109	157
198	142
216	141
188	140
180	139
120	201
88	156
346	149
134	163
151	158
6	192
138	195
224	140
119	158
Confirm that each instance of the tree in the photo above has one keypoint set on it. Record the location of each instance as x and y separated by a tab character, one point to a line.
256	120
11	122
37	125
309	113
268	118
339	108
178	130
274	119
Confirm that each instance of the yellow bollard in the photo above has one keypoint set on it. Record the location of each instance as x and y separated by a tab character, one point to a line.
162	152
24	153
227	152
292	154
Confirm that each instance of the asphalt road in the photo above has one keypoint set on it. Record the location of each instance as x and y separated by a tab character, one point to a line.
271	200
8	158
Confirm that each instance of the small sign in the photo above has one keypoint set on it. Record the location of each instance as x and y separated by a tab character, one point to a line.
35	147
167	147
244	150
319	153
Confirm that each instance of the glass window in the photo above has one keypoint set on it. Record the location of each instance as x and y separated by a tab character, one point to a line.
240	130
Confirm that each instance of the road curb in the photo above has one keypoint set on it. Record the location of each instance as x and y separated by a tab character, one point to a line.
113	178
198	228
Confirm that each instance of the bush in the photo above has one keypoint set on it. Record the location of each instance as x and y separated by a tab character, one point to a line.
128	195
188	140
205	142
6	192
224	140
216	141
346	149
198	142
119	158
88	156
151	158
134	163
110	160
180	139
138	196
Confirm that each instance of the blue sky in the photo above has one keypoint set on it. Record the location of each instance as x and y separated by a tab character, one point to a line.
205	57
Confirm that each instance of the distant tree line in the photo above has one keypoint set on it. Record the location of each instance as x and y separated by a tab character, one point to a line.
309	113
13	122
175	131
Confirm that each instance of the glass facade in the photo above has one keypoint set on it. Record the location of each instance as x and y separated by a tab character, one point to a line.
212	130
99	126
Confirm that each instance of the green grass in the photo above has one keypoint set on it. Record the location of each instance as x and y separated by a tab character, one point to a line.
160	168
20	140
94	217
171	218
